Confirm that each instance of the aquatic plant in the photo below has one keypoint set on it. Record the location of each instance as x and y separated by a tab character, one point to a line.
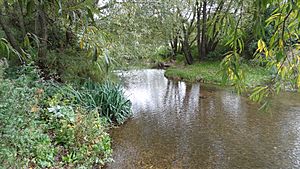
108	98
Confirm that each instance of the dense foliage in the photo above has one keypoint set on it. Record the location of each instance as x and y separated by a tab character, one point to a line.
55	117
44	124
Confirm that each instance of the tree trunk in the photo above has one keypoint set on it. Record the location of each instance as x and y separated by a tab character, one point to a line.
212	44
198	6
186	47
10	37
203	34
213	41
173	51
41	30
21	18
174	46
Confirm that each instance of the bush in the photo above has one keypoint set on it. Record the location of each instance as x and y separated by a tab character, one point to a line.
19	121
80	136
39	128
218	53
161	54
71	66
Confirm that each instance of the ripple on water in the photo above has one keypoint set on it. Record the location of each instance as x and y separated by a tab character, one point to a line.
179	125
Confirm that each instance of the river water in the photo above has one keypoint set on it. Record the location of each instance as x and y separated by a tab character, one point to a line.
179	125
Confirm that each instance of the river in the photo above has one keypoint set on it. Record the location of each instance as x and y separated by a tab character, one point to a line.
179	125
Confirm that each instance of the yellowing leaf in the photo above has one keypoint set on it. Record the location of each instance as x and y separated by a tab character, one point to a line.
278	65
298	82
261	45
281	43
267	53
81	44
273	17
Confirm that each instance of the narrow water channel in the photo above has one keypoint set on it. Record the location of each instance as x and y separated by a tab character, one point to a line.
179	125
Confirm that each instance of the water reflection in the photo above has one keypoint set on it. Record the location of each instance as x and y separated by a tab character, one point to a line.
179	125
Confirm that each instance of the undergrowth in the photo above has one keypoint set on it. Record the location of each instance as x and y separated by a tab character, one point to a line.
48	125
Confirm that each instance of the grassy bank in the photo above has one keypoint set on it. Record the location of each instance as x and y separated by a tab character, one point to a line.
210	72
44	124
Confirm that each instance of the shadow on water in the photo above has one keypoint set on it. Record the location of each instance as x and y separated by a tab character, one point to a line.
179	125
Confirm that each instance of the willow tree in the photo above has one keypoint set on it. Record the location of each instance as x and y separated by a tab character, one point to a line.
50	24
280	53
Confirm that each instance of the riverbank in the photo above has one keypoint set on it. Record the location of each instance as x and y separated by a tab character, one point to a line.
210	72
57	125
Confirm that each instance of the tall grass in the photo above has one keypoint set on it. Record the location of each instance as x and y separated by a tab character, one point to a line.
108	98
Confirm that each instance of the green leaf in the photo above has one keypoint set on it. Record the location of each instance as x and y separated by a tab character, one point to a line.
90	14
30	6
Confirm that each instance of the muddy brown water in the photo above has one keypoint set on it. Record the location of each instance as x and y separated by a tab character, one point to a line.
179	125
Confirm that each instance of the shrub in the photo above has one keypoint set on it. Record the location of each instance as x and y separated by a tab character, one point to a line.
218	53
75	67
80	136
40	128
19	121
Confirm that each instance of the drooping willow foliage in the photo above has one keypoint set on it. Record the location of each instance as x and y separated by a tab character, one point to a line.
117	31
279	51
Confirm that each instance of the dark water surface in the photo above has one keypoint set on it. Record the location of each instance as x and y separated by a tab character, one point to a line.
179	125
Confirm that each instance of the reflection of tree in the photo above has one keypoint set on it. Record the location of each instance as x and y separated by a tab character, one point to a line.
166	95
185	102
173	94
175	89
184	149
221	130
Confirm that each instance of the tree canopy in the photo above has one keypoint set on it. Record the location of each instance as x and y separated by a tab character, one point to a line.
113	32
